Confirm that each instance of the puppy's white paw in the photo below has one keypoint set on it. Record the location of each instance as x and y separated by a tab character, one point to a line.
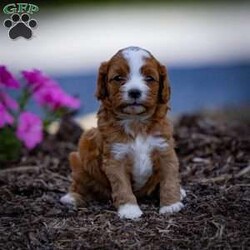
129	211
183	193
68	199
174	208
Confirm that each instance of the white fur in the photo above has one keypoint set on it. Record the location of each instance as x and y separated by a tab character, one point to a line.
68	199
129	211
126	126
183	193
119	150
126	123
135	57
174	208
140	150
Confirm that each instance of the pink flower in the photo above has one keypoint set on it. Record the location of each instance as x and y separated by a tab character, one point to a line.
5	117
47	92
69	101
54	97
35	78
7	79
7	101
29	129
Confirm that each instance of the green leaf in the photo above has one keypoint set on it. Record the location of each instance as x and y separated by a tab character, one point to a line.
10	146
51	116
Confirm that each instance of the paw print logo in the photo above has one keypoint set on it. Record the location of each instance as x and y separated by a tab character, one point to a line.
20	26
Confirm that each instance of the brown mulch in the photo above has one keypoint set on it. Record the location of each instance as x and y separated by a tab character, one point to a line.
214	165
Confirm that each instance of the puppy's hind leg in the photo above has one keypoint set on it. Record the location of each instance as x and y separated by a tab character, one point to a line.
77	195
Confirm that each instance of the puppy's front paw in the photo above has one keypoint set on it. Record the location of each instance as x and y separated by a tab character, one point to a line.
129	211
68	199
73	199
183	193
174	208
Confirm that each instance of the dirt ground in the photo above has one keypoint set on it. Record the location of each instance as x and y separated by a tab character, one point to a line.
214	166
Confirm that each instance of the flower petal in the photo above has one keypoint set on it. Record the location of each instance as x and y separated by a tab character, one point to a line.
8	102
29	129
6	118
7	79
35	78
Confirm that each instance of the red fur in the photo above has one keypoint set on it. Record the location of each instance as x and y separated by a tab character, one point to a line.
95	171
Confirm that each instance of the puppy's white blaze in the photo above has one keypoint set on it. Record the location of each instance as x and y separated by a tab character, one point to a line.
140	150
68	199
135	57
174	208
129	211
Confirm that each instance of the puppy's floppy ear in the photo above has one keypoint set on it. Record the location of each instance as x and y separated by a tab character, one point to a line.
102	90
164	87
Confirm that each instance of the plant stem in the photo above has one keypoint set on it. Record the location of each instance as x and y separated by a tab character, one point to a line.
24	98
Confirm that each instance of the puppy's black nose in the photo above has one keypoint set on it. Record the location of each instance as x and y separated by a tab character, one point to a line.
134	93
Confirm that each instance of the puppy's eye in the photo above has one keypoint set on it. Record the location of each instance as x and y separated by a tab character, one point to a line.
149	79
118	78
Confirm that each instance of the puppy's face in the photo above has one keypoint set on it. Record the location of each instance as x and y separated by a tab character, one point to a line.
134	83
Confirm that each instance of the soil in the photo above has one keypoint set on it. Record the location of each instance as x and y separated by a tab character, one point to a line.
214	167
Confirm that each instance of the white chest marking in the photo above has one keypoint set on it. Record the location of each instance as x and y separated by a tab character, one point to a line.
140	150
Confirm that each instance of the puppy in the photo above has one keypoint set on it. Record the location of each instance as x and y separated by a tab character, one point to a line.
131	152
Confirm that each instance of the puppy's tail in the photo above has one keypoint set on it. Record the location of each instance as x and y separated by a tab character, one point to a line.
75	162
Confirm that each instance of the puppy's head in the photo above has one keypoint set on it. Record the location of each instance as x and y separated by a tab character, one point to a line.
133	83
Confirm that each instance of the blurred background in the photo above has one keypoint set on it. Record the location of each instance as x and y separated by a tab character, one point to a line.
205	45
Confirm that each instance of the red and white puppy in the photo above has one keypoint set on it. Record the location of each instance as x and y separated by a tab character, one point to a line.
131	152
